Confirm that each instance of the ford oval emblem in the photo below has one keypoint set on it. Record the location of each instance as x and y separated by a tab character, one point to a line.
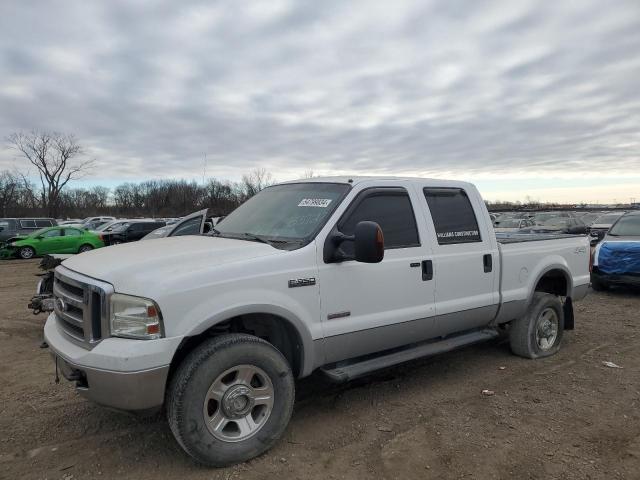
61	305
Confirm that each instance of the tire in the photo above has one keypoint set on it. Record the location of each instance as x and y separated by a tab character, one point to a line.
85	248
26	253
531	336
599	285
212	371
116	242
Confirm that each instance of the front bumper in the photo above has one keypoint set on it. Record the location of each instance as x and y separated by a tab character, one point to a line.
118	373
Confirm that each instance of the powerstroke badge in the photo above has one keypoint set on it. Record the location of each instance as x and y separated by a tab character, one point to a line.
315	202
302	282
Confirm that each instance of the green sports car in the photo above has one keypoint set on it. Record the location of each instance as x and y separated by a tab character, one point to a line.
53	240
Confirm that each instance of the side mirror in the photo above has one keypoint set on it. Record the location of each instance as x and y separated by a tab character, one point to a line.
369	242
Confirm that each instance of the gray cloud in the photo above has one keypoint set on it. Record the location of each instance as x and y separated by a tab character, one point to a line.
374	87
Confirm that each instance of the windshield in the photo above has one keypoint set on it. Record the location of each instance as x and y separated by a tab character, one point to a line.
509	224
589	217
555	222
121	226
159	232
541	217
290	212
606	219
626	226
108	225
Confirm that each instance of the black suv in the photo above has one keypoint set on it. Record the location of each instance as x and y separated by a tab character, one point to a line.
14	227
131	231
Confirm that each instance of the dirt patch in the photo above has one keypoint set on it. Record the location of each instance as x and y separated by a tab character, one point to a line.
567	417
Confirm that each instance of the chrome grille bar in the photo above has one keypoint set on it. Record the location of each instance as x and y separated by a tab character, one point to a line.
80	305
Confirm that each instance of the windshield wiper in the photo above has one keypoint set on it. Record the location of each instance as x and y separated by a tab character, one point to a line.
260	238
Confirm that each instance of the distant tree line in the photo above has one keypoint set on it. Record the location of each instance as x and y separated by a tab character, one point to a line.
151	198
58	161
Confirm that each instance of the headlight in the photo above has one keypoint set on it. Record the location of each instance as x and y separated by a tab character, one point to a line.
135	317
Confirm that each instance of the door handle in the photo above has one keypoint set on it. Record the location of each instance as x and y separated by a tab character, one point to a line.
487	261
427	270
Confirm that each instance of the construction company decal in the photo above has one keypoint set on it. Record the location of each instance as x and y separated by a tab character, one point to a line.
463	234
315	202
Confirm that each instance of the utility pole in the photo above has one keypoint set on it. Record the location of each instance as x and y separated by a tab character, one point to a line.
204	169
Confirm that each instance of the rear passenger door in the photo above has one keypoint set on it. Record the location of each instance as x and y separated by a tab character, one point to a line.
72	240
465	259
366	308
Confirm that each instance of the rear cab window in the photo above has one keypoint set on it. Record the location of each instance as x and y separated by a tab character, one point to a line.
453	216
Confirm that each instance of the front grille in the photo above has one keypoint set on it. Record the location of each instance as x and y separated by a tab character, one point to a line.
80	306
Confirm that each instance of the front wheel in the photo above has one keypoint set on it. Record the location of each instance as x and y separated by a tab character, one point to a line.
539	332
26	253
230	399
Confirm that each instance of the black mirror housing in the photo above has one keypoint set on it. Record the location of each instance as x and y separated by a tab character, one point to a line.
369	242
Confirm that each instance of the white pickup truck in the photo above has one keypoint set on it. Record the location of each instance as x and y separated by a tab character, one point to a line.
342	275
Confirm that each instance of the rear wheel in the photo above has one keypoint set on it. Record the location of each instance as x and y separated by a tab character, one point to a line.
85	248
539	332
230	399
26	253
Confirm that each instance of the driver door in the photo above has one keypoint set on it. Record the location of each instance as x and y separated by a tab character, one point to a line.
369	307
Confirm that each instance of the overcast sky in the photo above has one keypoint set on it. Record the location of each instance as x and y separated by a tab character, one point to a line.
532	98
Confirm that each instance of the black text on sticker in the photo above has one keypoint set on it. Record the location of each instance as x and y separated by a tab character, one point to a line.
315	202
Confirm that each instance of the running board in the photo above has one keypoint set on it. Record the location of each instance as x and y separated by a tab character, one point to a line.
357	369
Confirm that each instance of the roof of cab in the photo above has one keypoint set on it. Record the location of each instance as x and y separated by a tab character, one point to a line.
354	180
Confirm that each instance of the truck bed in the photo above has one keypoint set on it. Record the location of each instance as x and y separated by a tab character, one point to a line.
525	257
505	238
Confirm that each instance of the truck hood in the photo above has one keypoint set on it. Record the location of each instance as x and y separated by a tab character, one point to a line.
129	264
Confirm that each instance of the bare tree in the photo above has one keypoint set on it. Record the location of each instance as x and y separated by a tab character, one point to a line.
256	180
54	156
9	186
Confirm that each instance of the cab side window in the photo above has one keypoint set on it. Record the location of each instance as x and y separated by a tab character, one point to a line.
72	232
52	233
391	210
453	216
28	224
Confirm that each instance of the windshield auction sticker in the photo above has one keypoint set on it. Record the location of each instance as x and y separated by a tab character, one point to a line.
315	202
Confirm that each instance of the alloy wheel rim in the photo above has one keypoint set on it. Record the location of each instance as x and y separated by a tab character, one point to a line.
547	328
238	403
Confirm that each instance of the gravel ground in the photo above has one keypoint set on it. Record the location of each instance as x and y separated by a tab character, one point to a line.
566	417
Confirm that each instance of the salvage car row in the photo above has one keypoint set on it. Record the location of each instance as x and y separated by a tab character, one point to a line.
596	224
29	237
